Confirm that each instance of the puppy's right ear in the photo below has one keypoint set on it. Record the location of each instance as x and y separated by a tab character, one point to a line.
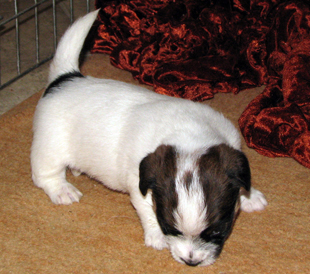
156	166
147	173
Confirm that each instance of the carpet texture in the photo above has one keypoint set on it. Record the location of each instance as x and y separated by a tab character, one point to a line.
102	233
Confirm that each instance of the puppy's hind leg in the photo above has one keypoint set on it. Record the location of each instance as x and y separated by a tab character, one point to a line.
56	187
50	175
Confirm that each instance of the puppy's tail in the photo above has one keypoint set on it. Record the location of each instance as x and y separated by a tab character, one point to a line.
66	59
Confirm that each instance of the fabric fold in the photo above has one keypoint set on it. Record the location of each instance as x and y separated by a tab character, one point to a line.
194	49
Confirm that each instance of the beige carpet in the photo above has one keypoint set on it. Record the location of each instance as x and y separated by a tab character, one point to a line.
102	234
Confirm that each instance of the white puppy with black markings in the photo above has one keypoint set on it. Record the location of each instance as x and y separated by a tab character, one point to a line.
180	161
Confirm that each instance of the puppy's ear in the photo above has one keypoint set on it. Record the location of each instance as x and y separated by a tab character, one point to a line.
232	162
147	173
238	169
154	166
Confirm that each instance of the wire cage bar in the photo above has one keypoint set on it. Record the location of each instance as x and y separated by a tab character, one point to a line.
29	33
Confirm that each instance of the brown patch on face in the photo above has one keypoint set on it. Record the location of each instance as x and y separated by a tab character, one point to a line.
157	172
223	170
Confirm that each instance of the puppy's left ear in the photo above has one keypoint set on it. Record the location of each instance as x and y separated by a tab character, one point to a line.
238	170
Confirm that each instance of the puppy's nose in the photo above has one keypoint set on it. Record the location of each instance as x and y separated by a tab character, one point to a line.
191	262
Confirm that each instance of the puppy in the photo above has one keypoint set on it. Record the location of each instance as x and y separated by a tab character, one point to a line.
180	161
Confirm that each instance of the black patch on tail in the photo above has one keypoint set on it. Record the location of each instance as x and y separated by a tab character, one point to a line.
62	79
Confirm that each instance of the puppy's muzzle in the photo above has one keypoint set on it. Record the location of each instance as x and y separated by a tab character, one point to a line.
191	262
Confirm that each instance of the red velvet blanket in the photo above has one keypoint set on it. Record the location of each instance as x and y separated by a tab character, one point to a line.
196	48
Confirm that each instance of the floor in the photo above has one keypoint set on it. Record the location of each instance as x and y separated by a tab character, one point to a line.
34	80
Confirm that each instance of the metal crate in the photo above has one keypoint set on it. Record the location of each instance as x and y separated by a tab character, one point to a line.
29	32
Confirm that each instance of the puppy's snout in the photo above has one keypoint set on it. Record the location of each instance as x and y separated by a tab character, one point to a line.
191	262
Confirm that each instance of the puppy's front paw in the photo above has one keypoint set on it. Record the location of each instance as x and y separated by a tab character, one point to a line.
76	172
64	194
156	239
256	201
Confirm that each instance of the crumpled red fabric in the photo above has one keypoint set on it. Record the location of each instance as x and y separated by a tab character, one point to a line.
196	48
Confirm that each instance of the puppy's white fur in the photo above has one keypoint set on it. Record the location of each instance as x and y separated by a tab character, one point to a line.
105	128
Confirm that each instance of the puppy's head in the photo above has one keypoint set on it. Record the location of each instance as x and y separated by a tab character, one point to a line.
196	197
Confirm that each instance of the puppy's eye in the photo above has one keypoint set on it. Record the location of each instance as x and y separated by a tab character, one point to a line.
172	232
211	235
169	230
215	233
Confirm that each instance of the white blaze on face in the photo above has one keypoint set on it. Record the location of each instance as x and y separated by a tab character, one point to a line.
190	214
